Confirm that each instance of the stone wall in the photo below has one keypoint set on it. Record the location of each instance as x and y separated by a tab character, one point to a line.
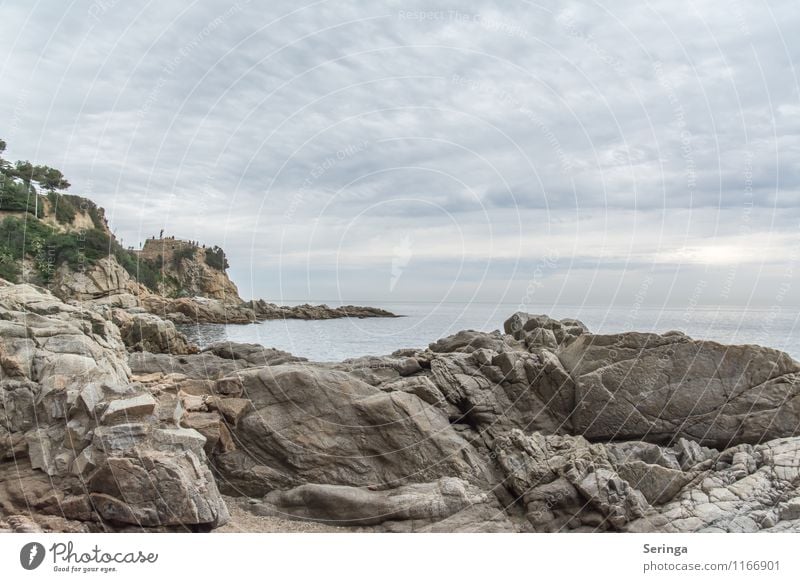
164	247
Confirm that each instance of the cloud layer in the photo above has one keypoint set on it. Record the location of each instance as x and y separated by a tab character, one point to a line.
580	150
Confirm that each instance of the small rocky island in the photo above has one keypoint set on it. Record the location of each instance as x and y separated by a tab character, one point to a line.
111	420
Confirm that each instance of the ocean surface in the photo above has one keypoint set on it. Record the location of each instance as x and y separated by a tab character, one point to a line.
423	323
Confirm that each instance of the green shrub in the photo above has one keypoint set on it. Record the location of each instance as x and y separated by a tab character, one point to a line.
20	238
96	214
9	266
49	248
182	253
14	197
216	259
145	272
64	208
24	237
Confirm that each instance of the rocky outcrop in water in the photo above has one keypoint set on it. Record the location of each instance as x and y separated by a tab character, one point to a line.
264	310
188	310
546	427
188	290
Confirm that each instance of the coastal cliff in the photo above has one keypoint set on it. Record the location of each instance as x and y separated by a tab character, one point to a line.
190	269
63	242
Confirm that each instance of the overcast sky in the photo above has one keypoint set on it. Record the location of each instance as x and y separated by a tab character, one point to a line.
526	152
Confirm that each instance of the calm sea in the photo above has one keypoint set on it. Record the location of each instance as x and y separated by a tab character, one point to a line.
337	339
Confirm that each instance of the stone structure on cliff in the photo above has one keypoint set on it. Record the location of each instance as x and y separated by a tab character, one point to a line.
546	427
187	264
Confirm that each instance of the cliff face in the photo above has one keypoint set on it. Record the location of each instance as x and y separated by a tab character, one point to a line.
63	242
68	213
190	270
65	213
104	282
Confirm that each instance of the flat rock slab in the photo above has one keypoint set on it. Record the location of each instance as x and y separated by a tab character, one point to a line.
129	408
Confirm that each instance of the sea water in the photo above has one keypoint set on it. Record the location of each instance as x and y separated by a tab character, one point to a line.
423	323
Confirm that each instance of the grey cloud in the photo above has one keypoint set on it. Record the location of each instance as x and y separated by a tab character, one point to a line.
492	114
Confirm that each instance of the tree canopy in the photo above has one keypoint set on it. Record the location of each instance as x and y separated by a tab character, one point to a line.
47	178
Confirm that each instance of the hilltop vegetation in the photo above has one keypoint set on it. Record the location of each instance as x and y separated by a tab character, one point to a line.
27	240
42	228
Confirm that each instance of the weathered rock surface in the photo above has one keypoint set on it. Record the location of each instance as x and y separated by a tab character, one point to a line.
213	297
264	310
213	362
568	484
742	489
78	438
188	310
145	332
545	428
659	387
106	282
541	331
198	310
324	426
251	354
448	504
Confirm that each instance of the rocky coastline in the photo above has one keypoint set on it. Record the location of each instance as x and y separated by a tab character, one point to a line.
64	243
110	420
216	300
188	310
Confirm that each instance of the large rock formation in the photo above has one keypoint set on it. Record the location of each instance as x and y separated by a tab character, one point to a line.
568	484
544	428
104	282
660	387
369	442
316	425
78	438
264	310
188	271
145	332
189	290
